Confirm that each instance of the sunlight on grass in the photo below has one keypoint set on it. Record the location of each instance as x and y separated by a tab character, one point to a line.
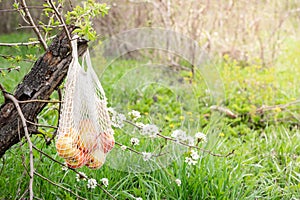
266	160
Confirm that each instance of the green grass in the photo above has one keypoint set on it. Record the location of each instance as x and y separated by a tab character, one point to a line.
265	164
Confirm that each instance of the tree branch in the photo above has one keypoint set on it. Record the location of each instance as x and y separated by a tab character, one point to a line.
35	29
59	17
57	185
224	110
31	172
265	108
23	43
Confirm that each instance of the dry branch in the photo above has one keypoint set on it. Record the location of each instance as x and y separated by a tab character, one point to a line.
31	22
224	110
21	115
265	108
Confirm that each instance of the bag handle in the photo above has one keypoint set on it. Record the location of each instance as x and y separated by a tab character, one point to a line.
74	47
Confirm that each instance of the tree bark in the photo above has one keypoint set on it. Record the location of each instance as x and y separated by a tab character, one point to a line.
46	75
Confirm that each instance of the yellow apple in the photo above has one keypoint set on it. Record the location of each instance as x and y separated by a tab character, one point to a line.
65	146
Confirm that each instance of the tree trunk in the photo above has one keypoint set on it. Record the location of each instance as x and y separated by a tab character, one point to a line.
46	75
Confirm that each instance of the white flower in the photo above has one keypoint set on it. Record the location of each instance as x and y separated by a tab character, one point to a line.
150	129
64	168
104	181
117	120
178	182
134	141
146	156
111	110
110	131
190	161
92	183
179	134
139	198
134	114
190	140
194	155
140	124
80	176
123	147
201	137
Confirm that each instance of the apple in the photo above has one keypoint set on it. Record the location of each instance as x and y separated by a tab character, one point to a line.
107	142
88	137
78	160
96	159
65	146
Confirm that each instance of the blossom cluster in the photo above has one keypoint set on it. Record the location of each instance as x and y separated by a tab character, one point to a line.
181	136
117	119
192	160
134	115
150	129
91	183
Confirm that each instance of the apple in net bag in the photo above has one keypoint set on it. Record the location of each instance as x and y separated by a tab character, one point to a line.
85	135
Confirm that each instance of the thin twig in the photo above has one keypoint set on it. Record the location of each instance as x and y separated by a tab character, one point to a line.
23	195
9	69
24	43
39	26
137	152
53	183
264	108
132	123
110	195
35	28
13	57
31	172
224	110
19	44
29	7
196	147
182	143
129	148
59	17
39	100
41	125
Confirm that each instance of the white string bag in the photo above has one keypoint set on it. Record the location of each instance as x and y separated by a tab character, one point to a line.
85	135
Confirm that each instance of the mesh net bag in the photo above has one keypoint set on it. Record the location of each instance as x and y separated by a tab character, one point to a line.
84	135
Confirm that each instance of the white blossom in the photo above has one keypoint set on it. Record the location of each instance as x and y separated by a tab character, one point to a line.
117	120
146	156
104	181
135	141
111	110
139	198
80	176
179	134
201	137
123	147
134	114
190	161
178	182
92	183
150	129
190	140
140	124
194	155
64	168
